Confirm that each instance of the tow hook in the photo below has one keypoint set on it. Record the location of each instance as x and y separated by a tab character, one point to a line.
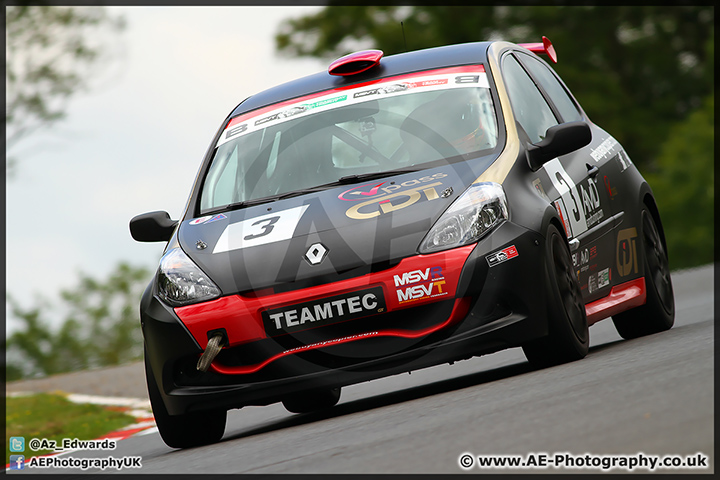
213	348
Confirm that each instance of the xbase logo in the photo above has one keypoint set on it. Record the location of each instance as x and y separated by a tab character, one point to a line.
419	284
502	256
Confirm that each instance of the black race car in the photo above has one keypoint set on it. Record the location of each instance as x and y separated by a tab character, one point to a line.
391	214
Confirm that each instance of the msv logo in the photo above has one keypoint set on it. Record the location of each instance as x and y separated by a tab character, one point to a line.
419	284
415	276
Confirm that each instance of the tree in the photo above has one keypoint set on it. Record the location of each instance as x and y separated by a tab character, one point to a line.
51	54
644	73
683	187
637	70
101	327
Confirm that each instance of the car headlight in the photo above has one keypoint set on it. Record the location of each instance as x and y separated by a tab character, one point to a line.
475	213
181	282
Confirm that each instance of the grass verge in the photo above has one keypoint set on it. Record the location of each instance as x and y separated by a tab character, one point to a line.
54	417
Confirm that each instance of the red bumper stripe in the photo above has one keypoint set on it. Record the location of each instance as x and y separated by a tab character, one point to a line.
459	311
622	297
241	316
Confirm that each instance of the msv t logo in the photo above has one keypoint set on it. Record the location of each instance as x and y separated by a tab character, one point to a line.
415	276
419	284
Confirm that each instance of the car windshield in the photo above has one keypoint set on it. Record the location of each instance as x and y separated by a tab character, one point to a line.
396	124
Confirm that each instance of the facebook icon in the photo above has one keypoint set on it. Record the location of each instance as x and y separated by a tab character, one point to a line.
17	462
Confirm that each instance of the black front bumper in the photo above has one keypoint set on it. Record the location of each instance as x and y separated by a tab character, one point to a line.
505	306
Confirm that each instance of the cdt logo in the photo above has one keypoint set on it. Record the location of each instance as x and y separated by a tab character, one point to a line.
626	252
379	200
17	462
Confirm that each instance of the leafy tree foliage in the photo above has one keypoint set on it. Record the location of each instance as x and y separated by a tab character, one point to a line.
644	73
683	187
51	53
101	327
637	70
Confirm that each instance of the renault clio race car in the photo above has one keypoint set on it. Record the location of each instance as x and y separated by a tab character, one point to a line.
390	214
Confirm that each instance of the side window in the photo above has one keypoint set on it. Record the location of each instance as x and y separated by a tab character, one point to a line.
530	108
554	89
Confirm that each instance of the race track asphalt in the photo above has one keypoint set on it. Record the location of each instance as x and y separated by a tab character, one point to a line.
653	395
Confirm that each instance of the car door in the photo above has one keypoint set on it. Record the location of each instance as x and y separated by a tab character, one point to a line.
572	181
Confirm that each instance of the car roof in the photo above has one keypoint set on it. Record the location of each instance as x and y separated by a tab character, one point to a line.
419	60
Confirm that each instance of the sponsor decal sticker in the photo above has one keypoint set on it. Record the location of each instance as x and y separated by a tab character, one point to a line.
397	87
612	191
208	219
338	308
604	149
463	77
201	220
380	200
220	216
327	343
626	252
262	230
579	205
597	281
623	160
591	203
562	213
539	189
581	258
419	285
570	196
359	193
603	278
502	256
592	283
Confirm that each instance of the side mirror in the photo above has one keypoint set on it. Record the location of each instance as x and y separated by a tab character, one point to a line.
152	227
559	140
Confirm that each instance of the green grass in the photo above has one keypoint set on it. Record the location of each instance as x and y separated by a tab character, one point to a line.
55	418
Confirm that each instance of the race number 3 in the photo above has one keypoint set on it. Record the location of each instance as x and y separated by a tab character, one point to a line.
569	195
261	230
266	226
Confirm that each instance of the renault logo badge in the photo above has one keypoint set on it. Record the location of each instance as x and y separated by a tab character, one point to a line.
316	253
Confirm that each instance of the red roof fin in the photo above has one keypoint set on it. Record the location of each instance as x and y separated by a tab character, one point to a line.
545	47
355	63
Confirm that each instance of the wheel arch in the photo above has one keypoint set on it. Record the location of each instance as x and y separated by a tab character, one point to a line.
649	201
550	217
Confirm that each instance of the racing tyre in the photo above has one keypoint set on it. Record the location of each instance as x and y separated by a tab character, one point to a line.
188	430
658	313
568	336
312	400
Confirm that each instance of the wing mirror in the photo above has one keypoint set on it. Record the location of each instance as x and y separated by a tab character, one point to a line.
559	140
152	227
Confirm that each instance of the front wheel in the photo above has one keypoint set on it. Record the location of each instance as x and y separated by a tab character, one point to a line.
658	313
188	430
568	336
